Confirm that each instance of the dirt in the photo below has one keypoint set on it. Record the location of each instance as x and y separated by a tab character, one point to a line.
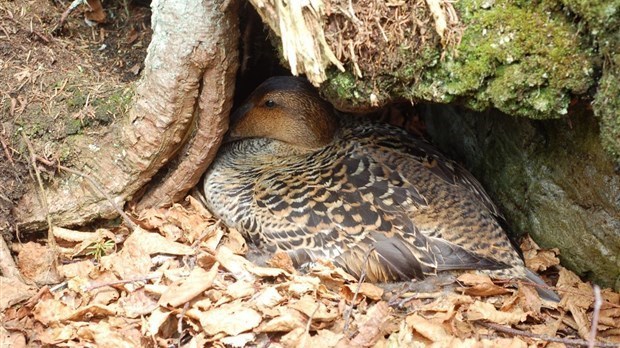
61	84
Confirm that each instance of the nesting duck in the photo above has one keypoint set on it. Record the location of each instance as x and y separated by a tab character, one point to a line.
294	176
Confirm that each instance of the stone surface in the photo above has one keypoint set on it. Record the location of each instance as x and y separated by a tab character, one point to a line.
552	179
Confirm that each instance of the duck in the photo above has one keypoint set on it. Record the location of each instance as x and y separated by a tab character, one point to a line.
297	176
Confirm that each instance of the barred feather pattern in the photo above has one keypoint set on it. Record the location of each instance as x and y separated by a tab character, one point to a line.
375	200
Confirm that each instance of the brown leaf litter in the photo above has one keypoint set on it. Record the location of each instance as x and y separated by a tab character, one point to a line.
180	278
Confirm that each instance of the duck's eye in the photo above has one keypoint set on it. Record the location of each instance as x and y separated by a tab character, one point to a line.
270	103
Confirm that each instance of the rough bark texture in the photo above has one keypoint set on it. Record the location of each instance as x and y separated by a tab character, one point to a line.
185	44
220	59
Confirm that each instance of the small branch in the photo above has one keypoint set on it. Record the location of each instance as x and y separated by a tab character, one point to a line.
94	286
597	309
357	289
42	196
180	323
6	150
567	341
94	185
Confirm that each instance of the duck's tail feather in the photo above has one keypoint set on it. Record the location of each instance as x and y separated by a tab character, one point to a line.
543	291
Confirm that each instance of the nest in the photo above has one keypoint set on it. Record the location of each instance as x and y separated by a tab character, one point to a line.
369	36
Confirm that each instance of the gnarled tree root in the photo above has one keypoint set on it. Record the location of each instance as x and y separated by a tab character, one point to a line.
180	109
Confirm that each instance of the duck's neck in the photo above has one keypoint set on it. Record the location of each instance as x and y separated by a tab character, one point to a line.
316	133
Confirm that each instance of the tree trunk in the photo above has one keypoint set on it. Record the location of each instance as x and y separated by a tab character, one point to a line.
180	108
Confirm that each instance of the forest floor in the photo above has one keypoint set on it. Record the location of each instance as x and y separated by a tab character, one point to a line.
61	85
180	278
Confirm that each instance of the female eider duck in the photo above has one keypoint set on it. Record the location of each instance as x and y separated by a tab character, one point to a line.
293	176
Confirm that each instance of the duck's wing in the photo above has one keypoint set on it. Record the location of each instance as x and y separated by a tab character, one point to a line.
354	210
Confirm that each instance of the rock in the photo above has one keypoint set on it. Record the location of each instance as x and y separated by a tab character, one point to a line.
552	179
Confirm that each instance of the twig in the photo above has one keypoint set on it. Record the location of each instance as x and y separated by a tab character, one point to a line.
567	341
357	290
180	323
94	286
597	309
42	196
309	323
95	185
6	151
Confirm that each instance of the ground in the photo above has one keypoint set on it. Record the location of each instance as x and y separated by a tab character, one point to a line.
179	276
61	86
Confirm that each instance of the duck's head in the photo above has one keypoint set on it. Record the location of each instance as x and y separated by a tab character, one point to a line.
287	109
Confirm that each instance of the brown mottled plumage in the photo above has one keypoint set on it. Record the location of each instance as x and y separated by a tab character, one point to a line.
295	177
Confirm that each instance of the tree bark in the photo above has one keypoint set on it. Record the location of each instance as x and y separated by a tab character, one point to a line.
185	93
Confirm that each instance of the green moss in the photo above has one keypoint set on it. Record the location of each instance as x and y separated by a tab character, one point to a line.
607	107
550	178
523	58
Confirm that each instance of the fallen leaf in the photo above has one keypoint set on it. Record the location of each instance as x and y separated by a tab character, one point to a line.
96	13
155	321
137	303
314	308
240	289
325	338
198	281
363	290
482	310
529	299
282	260
230	318
372	325
153	243
480	285
37	263
287	320
51	311
431	330
241	340
297	338
13	291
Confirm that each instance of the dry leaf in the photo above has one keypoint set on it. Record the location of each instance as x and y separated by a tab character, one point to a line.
529	299
37	263
51	311
235	242
230	318
157	318
240	289
543	260
104	335
482	310
241	340
297	338
288	320
268	298
314	309
96	13
429	329
13	291
282	259
235	264
77	269
480	285
364	290
372	325
198	281
325	338
137	303
153	243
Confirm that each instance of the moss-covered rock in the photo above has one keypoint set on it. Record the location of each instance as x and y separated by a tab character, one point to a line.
551	178
525	59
